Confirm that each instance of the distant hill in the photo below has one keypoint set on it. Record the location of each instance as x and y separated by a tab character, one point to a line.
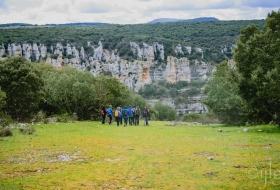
15	25
80	24
65	24
201	19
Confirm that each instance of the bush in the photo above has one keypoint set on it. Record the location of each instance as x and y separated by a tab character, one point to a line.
5	120
207	118
6	131
55	56
39	117
27	130
63	118
74	117
193	117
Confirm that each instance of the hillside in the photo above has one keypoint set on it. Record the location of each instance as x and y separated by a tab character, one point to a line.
164	20
137	55
211	37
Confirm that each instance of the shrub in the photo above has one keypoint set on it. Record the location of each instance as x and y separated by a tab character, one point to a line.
27	130
63	118
39	117
5	131
207	118
74	117
5	120
46	120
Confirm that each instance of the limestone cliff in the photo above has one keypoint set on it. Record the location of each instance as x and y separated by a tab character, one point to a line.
134	74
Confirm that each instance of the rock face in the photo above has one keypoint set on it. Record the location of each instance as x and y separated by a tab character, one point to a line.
177	70
2	50
159	48
147	51
178	49
135	74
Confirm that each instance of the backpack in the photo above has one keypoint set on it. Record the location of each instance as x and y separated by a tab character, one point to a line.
137	111
125	112
109	111
102	113
116	113
145	113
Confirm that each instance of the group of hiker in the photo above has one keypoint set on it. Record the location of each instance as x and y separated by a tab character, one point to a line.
126	115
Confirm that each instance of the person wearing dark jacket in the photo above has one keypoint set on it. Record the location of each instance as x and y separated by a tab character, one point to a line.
146	115
137	113
103	114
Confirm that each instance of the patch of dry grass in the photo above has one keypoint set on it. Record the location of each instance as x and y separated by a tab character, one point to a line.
88	155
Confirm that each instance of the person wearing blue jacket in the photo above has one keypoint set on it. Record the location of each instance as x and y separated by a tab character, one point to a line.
130	118
110	112
121	112
125	115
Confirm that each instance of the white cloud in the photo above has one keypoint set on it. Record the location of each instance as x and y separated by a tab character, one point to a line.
87	6
22	4
57	7
130	11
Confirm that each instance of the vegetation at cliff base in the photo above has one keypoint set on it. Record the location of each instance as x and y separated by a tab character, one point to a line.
27	88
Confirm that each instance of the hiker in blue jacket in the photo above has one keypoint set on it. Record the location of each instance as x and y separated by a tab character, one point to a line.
125	115
130	118
121	112
110	112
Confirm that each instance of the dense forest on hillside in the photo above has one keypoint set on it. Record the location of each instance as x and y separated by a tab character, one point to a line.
212	37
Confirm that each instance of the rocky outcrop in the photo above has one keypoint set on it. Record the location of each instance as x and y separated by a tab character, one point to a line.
191	107
58	49
147	51
134	74
159	48
2	50
189	49
14	50
177	70
178	49
98	52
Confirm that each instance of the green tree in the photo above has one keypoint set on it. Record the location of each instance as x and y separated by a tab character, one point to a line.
164	113
109	91
257	59
140	101
2	99
222	95
71	90
23	84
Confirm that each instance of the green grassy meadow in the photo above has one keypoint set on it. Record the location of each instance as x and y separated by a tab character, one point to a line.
89	155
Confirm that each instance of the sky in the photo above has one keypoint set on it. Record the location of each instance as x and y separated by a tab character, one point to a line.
130	11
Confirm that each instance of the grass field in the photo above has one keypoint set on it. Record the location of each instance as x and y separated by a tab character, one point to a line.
88	155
